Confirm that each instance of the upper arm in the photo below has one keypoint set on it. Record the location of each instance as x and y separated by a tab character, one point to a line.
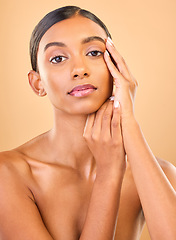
19	215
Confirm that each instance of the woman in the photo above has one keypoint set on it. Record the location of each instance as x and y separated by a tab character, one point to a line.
75	181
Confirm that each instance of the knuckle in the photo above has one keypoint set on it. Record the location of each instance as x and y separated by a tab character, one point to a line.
86	137
115	124
106	116
121	58
133	85
117	142
105	140
135	81
95	137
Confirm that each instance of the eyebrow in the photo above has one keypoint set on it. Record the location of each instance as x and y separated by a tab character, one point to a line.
93	38
59	44
84	41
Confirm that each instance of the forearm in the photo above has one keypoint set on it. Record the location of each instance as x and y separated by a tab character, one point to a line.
101	218
157	195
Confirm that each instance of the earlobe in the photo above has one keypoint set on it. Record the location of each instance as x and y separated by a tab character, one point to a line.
36	83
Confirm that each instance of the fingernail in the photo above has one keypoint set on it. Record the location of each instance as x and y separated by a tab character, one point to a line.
107	52
111	98
116	104
110	41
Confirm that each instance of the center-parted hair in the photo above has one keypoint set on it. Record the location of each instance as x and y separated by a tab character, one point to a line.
52	18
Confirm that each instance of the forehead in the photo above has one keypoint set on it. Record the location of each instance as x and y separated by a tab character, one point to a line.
74	29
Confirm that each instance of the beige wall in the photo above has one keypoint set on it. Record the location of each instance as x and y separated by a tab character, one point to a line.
144	33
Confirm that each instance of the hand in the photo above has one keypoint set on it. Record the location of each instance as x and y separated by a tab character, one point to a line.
125	84
103	135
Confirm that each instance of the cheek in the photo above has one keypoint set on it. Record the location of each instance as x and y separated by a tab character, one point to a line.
102	68
48	77
55	87
52	80
105	78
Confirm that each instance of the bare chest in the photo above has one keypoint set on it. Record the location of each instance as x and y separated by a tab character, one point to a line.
63	202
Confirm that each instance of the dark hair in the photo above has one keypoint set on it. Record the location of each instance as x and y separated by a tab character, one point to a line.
53	17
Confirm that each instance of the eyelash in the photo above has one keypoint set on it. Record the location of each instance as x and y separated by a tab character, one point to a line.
54	58
98	53
95	51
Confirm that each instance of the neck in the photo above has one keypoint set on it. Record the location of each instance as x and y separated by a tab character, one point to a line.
67	143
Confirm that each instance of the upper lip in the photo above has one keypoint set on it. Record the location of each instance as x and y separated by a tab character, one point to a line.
82	87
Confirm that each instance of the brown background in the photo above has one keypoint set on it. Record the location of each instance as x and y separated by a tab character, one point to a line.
144	33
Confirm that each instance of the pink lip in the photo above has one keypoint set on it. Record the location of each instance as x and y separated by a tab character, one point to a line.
82	90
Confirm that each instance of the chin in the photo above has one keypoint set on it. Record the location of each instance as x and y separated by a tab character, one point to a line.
87	107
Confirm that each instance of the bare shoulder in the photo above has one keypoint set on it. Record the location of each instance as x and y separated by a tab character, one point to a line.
13	162
18	207
169	170
15	172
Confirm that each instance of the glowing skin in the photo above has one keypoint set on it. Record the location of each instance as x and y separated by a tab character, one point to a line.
70	55
67	182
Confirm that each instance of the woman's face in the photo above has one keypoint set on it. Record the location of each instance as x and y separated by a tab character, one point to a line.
71	66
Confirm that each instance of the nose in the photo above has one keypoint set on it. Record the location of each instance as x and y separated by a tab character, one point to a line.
80	69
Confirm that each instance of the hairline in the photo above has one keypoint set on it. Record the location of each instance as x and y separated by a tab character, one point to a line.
78	12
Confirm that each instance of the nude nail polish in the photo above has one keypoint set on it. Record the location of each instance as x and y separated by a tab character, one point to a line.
116	104
111	98
107	53
110	41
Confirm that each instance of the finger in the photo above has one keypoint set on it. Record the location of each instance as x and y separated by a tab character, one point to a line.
116	99
88	126
118	59
98	120
112	68
106	121
115	123
121	64
114	88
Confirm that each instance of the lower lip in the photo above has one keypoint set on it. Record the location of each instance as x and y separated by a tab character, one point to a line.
82	93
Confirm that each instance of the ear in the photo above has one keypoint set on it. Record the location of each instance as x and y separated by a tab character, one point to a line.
36	83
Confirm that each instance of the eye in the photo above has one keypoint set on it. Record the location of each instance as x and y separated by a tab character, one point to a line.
57	59
95	53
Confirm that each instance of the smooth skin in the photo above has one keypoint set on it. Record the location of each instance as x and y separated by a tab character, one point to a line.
74	181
